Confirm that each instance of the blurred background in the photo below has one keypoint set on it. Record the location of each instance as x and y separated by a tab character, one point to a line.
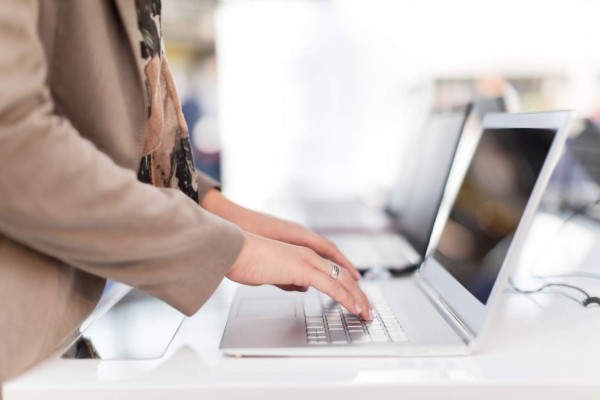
298	101
324	99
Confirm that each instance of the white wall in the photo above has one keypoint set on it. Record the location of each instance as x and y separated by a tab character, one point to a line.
323	98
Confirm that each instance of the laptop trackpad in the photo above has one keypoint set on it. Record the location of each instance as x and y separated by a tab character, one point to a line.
266	308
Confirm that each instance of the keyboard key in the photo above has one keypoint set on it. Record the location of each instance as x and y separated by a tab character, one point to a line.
338	336
356	331
355	326
354	323
360	337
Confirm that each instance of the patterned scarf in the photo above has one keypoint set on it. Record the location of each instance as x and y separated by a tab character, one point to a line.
167	160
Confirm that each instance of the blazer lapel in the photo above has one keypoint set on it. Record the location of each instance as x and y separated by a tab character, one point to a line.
128	14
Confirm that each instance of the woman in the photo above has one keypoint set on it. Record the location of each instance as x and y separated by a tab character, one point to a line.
98	183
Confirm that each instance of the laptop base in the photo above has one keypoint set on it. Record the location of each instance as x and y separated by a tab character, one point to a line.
266	321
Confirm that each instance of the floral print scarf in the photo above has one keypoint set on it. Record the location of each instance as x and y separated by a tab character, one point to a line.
167	160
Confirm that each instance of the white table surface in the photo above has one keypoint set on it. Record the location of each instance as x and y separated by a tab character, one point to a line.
541	346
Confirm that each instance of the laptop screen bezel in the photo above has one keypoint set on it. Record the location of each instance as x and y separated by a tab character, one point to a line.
463	305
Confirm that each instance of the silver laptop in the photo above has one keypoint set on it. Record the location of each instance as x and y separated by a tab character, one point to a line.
405	246
442	309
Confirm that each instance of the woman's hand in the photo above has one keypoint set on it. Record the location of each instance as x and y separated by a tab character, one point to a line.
266	261
274	228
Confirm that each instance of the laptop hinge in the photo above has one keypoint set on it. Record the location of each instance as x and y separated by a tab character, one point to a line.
459	326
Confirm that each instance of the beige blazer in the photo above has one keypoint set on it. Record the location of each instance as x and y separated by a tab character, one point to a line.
87	106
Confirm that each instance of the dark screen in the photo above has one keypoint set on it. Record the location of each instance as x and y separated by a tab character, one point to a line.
442	133
490	204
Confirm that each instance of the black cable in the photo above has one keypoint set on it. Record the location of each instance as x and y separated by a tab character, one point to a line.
402	272
565	294
547	285
575	274
591	300
585	302
580	210
588	298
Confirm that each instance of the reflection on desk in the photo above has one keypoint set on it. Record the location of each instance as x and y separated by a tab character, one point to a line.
138	327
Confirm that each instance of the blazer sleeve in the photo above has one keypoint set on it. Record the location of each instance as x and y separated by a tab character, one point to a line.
61	196
205	183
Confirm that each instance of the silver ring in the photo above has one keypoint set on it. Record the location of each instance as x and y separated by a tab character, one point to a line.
335	271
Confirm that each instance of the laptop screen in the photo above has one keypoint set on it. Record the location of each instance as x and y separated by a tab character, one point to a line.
441	136
489	205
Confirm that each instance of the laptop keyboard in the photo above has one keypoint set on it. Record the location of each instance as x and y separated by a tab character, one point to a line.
327	322
376	249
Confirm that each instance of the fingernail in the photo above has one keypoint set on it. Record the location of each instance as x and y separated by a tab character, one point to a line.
370	314
358	309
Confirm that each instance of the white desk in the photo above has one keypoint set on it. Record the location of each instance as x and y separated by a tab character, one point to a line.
541	347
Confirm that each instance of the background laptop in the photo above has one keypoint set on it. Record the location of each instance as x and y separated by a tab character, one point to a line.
355	215
441	310
405	247
577	180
